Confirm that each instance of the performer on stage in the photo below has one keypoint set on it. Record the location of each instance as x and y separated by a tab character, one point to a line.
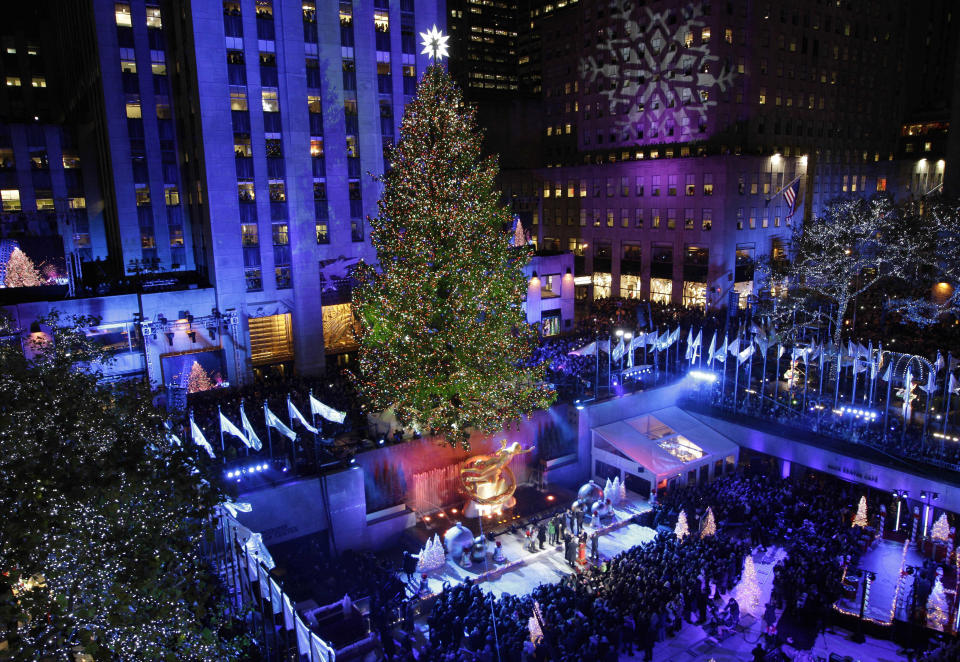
582	550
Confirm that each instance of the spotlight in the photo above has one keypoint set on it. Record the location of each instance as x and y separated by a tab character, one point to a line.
703	375
353	460
578	404
192	335
169	335
382	442
453	511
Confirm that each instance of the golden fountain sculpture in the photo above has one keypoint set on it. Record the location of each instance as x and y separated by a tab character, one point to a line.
488	482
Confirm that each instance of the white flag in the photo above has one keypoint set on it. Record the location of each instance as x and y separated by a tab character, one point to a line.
587	350
952	384
721	354
886	376
617	350
931	385
227	426
294	413
252	438
939	362
604	346
734	347
675	336
329	413
745	354
198	437
712	348
277	424
234	507
690	348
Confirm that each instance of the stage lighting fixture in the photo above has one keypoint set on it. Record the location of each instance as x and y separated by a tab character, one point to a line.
703	375
192	335
169	335
578	404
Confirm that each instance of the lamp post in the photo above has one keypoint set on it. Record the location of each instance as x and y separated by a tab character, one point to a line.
899	495
866	577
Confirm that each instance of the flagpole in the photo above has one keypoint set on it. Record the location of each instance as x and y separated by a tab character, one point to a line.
242	415
853	394
946	387
293	442
806	369
886	407
269	439
763	374
736	374
836	389
926	413
223	447
823	350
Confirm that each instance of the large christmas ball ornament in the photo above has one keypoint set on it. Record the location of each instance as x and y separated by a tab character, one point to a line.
456	538
589	493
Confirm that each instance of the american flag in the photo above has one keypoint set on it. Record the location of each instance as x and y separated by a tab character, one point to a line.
790	195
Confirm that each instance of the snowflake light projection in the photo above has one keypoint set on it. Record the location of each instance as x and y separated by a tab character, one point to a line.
651	74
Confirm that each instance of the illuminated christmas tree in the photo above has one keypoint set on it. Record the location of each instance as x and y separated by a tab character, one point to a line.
533	625
198	380
21	272
143	590
681	530
443	330
432	555
861	517
941	529
748	591
937	606
710	526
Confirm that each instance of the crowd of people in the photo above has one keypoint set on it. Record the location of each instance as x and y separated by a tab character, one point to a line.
597	614
644	594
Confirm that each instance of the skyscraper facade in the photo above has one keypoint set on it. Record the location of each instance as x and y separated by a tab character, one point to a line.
237	145
676	135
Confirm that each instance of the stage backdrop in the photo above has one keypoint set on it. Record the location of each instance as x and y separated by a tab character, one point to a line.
423	473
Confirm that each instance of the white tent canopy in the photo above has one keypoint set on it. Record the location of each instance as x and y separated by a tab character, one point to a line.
665	442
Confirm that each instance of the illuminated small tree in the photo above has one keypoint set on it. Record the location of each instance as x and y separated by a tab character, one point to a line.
937	606
198	380
681	530
748	591
860	519
21	272
710	526
941	529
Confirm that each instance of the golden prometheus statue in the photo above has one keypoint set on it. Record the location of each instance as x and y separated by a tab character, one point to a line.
488	482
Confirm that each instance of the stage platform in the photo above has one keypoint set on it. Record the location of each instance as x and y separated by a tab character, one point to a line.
884	558
525	570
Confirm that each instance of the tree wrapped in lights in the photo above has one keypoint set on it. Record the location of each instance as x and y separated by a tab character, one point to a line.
21	272
443	331
103	516
681	530
748	591
432	555
938	608
709	526
941	529
836	258
198	380
860	519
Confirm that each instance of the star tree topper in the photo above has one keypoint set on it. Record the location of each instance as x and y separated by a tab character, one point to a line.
435	44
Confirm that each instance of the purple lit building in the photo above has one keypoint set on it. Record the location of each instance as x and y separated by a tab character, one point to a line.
671	129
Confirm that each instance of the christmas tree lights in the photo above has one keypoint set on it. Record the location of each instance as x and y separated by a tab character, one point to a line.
938	608
941	529
432	555
443	330
710	526
104	515
681	530
21	272
860	519
748	591
198	380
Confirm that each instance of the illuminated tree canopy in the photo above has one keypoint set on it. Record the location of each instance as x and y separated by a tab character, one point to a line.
443	331
103	517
